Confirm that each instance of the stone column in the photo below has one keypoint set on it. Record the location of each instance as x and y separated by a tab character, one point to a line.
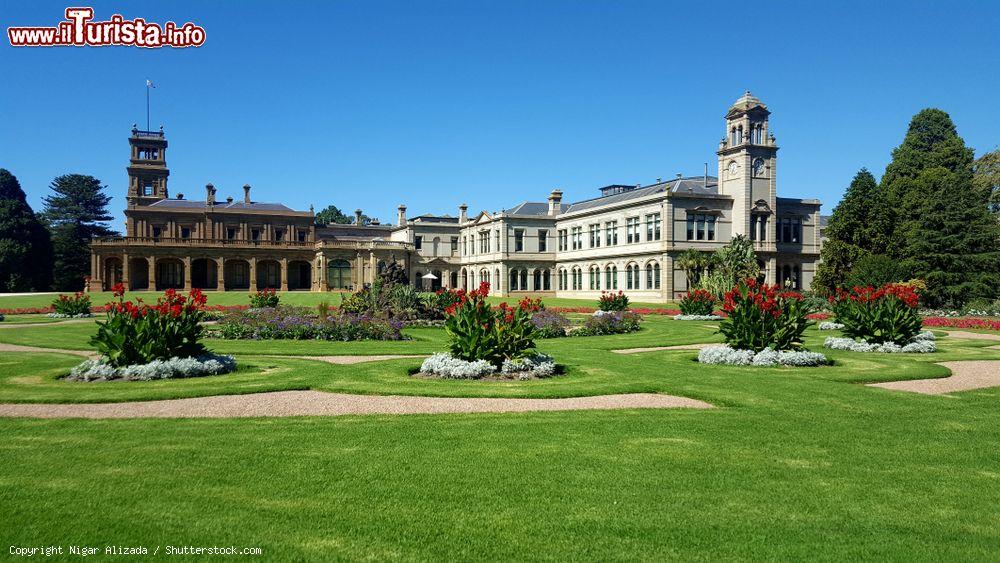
667	277
284	274
125	272
253	273
152	273
187	273
220	274
321	272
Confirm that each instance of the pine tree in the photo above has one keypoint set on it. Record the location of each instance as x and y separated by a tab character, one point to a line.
986	178
76	213
25	247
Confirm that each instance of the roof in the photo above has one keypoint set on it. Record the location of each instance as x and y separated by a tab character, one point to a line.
434	218
746	102
235	205
700	185
533	208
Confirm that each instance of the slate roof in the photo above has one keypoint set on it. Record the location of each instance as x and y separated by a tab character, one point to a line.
690	185
434	218
235	205
533	208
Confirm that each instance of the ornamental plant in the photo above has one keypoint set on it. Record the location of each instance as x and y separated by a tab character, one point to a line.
613	301
477	331
138	333
762	316
698	302
885	314
609	322
72	305
265	298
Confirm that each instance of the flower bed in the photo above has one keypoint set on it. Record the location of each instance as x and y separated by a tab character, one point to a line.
613	301
101	370
987	324
265	298
697	303
297	323
69	306
886	314
609	322
921	343
830	326
697	317
550	324
68	316
446	366
725	355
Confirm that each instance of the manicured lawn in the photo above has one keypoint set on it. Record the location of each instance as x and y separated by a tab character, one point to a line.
794	464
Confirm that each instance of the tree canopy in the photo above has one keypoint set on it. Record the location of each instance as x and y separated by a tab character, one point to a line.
986	178
25	246
332	214
76	212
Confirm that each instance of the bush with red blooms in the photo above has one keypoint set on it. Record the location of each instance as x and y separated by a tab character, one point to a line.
885	314
477	331
138	333
264	299
760	316
613	301
697	302
74	305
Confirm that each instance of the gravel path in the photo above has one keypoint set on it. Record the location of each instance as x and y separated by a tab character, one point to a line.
312	403
973	335
658	348
349	360
19	348
45	323
965	375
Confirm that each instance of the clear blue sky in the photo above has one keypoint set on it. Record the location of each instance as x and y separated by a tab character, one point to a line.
370	104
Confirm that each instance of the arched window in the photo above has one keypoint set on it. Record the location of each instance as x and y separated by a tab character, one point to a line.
796	278
338	274
595	278
656	275
652	281
537	279
732	136
498	278
739	135
513	280
562	279
484	275
547	280
608	282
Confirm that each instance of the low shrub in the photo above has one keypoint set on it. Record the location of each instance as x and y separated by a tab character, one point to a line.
297	323
886	314
696	317
609	322
917	346
438	302
388	300
446	366
550	324
827	325
265	298
725	355
102	370
760	316
65	316
613	301
982	308
74	305
697	303
137	333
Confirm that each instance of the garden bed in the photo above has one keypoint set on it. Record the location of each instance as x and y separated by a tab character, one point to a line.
445	366
922	343
298	323
768	357
101	370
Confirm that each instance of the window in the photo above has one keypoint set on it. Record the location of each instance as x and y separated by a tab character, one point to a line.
595	235
185	232
454	244
563	285
543	241
577	238
301	235
512	285
701	226
496	236
536	278
279	235
563	237
524	280
157	231
255	235
595	277
632	230
790	230
547	280
632	276
484	242
653	227
652	275
577	278
518	240
230	233
611	233
418	242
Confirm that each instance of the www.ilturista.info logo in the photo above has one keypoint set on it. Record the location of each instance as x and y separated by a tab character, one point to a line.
78	30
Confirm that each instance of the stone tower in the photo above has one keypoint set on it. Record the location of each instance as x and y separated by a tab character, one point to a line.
748	168
147	169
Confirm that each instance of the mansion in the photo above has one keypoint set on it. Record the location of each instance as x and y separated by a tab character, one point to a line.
627	238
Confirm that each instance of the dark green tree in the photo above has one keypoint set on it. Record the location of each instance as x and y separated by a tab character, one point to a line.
25	247
332	214
875	270
986	178
837	261
76	212
860	219
951	241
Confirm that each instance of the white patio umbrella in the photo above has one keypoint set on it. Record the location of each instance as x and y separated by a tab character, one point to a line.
428	276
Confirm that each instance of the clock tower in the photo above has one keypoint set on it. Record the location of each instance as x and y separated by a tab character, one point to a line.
747	170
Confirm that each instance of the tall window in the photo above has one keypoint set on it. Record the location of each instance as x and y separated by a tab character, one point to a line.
701	226
611	277
513	280
563	285
790	230
652	275
418	242
543	240
595	235
454	244
338	274
496	239
632	230
653	227
563	238
518	240
595	277
611	233
632	276
577	238
577	278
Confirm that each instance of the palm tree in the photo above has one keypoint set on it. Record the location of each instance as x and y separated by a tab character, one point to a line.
694	263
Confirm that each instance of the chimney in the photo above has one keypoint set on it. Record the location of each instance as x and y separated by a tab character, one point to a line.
357	217
555	202
180	196
209	194
246	193
705	183
229	199
401	215
463	214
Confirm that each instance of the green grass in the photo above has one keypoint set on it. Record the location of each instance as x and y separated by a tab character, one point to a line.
794	464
